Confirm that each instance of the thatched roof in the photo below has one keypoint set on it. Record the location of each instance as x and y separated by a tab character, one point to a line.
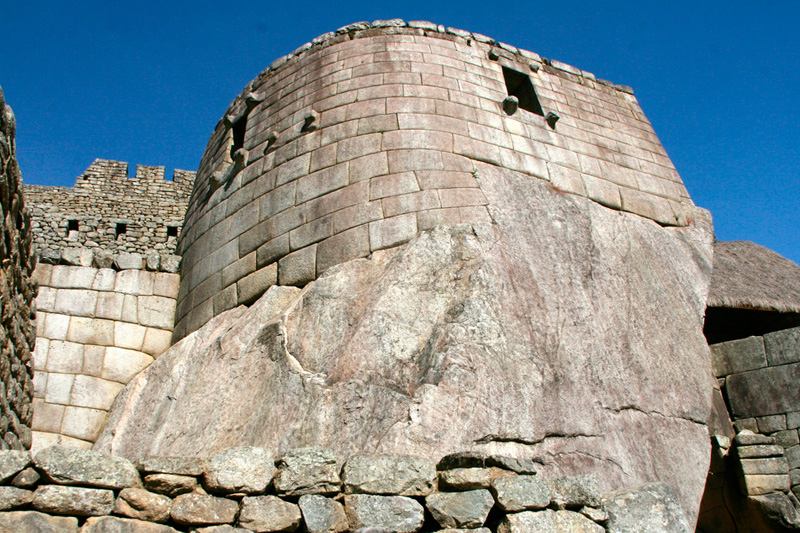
749	276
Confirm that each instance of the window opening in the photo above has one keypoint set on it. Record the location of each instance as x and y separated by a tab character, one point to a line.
238	128
519	85
72	225
172	231
121	229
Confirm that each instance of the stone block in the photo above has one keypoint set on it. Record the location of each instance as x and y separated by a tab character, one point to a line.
93	360
47	417
128	335
251	287
41	274
166	284
69	466
142	505
392	231
393	185
783	347
83	423
104	280
202	509
307	471
786	438
322	515
136	282
738	355
19	521
771	424
299	267
112	524
72	277
397	514
269	513
766	391
73	500
369	166
759	450
793	420
462	197
407	203
109	305
170	484
122	365
549	520
156	311
46	299
322	182
129	261
39	384
244	469
342	247
14	498
39	353
171	263
754	485
746	424
76	302
95	331
103	258
764	465
65	357
156	341
89	391
521	493
468	509
130	308
403	475
152	262
649	507
59	388
793	456
80	257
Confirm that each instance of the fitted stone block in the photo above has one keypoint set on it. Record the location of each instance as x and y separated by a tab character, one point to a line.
137	282
156	311
350	244
129	335
166	284
255	284
766	391
76	302
156	341
93	392
46	299
72	277
47	416
59	388
104	280
109	305
82	423
96	331
55	326
65	357
392	231
738	356
122	365
782	347
298	268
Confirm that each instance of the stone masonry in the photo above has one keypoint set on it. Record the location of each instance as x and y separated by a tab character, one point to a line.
17	290
108	210
368	135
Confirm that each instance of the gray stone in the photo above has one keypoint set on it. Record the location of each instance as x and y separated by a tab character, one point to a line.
111	524
467	509
171	263
72	466
596	515
200	509
548	521
520	493
221	529
142	505
77	501
396	514
127	261
793	456
26	479
767	391
739	355
12	462
759	450
322	515
243	469
749	438
103	259
786	438
462	460
650	508
771	424
466	530
12	497
765	465
31	521
576	491
269	513
465	479
152	262
50	256
404	475
307	471
184	466
783	347
170	484
77	257
514	464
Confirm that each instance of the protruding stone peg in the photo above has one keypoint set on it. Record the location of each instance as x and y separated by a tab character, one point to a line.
551	119
493	55
510	104
309	121
535	66
272	140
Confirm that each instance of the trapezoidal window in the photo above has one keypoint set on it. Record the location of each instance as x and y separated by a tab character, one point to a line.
72	225
172	231
122	229
238	129
519	85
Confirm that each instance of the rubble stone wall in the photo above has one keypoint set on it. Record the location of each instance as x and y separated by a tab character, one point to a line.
307	490
96	329
104	202
759	376
17	290
365	136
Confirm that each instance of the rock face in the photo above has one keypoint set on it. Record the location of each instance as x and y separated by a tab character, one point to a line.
564	332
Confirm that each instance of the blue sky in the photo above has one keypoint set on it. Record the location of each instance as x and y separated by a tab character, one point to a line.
146	82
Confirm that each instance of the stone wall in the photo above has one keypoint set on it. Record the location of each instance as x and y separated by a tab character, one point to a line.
365	136
17	333
308	490
97	327
759	376
108	210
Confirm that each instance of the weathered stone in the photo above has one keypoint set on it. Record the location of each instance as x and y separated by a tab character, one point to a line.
77	501
576	491
519	493
404	475
739	355
749	438
12	497
184	466
549	521
396	514
653	508
307	471
199	509
221	529
322	515
783	347
766	391
467	509
171	263
269	513
759	450
111	524
596	515
465	479
462	460
142	505
24	521
520	466
26	479
127	261
72	466
758	484
765	465
170	484
242	469
466	530
12	462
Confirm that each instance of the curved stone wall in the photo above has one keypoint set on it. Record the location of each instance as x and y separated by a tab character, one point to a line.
368	135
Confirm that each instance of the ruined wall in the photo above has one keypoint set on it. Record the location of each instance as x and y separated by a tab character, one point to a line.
108	210
364	137
17	334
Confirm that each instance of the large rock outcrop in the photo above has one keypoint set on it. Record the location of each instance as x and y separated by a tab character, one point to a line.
565	332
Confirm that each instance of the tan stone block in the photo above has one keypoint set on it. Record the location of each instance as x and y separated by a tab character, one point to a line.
83	423
311	232
225	299
157	341
121	365
273	250
94	392
40	353
46	299
41	274
321	182
40	323
366	108
765	465
41	440
76	302
368	166
137	282
105	280
417	121
392	231
412	139
407	203
47	416
109	305
130	308
377	124
356	215
293	169
602	191
39	384
166	284
362	145
393	185
567	180
404	104
298	268
59	388
350	244
461	197
754	485
345	197
445	179
91	331
127	335
405	160
72	277
65	357
156	311
324	157
251	287
647	205
93	360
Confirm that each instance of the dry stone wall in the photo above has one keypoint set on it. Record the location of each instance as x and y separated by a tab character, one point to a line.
368	135
308	490
17	290
96	329
108	210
